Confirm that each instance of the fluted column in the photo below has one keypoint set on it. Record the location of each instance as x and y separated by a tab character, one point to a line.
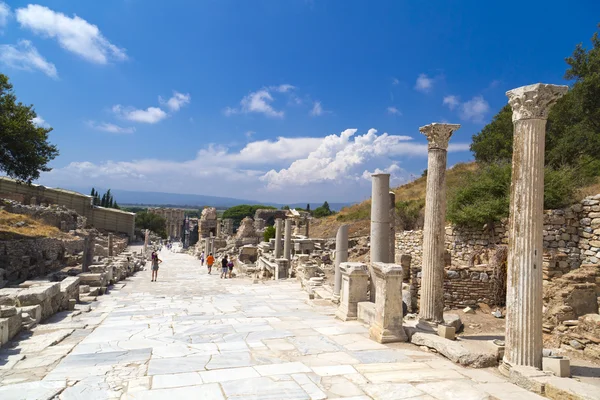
392	256
530	105
341	255
278	250
431	310
287	240
380	223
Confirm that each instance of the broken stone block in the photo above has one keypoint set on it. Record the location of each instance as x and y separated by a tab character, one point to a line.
84	288
453	320
72	304
35	312
9	327
559	366
468	310
91	279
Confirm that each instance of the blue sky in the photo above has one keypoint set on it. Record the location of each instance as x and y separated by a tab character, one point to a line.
260	99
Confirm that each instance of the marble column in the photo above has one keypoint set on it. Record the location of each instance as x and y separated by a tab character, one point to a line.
278	249
530	106
380	223
431	310
110	245
287	243
341	255
392	256
218	227
306	228
146	240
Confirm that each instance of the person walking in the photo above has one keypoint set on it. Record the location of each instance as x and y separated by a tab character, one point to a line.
155	262
210	260
224	267
230	266
202	258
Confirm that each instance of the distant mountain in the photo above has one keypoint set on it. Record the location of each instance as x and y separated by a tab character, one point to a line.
128	197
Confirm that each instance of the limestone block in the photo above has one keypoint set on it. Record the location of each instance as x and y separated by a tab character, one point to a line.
8	296
447	332
91	279
35	312
455	351
387	326
84	288
558	366
38	294
69	289
355	282
9	327
7	311
72	303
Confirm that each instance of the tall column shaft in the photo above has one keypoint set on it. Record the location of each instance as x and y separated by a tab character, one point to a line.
380	224
218	228
392	256
110	244
432	280
278	249
431	310
530	106
341	255
287	243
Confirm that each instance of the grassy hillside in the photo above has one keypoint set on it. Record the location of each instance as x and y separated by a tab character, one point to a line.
19	226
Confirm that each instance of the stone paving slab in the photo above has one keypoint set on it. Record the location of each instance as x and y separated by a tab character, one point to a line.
193	336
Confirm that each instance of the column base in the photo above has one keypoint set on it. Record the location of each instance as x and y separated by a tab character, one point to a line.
383	335
427	326
345	317
335	298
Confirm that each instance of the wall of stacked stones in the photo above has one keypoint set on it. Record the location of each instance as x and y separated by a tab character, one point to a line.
571	238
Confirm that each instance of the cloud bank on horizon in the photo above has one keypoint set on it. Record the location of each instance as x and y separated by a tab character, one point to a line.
310	169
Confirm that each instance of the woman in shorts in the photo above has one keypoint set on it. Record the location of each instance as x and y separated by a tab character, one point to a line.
155	262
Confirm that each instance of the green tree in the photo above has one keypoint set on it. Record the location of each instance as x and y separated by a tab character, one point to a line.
269	233
285	207
308	207
238	213
322	211
24	147
495	141
154	222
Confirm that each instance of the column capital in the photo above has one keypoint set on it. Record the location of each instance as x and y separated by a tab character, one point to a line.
438	134
534	101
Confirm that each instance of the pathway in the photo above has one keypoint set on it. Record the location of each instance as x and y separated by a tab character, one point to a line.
194	336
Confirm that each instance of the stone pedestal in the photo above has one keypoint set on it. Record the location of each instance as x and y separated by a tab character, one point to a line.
530	105
287	243
341	255
387	326
380	222
278	249
355	282
432	283
283	269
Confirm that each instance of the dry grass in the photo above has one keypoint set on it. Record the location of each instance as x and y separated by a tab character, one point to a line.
590	190
32	228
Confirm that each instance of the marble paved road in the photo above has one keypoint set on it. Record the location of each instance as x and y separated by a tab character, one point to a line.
194	336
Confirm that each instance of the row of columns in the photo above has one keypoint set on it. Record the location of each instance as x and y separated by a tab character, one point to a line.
283	248
530	106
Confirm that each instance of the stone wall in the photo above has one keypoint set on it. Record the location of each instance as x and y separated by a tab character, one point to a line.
571	238
54	215
30	258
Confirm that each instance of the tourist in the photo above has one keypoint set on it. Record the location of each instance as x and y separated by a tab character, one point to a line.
210	260
155	262
202	258
230	266
224	267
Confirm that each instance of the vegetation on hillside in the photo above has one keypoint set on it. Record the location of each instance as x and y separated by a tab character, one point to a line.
24	147
154	222
572	153
322	211
21	226
269	233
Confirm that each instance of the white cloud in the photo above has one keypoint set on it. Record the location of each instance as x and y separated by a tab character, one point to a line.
40	122
25	56
249	134
260	102
73	34
287	169
424	83
475	109
393	111
229	111
176	102
394	169
286	87
112	128
151	115
451	101
395	81
4	14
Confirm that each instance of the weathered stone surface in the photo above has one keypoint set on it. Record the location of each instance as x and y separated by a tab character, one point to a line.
7	311
38	294
454	350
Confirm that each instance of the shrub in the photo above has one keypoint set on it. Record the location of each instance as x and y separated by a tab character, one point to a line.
269	233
